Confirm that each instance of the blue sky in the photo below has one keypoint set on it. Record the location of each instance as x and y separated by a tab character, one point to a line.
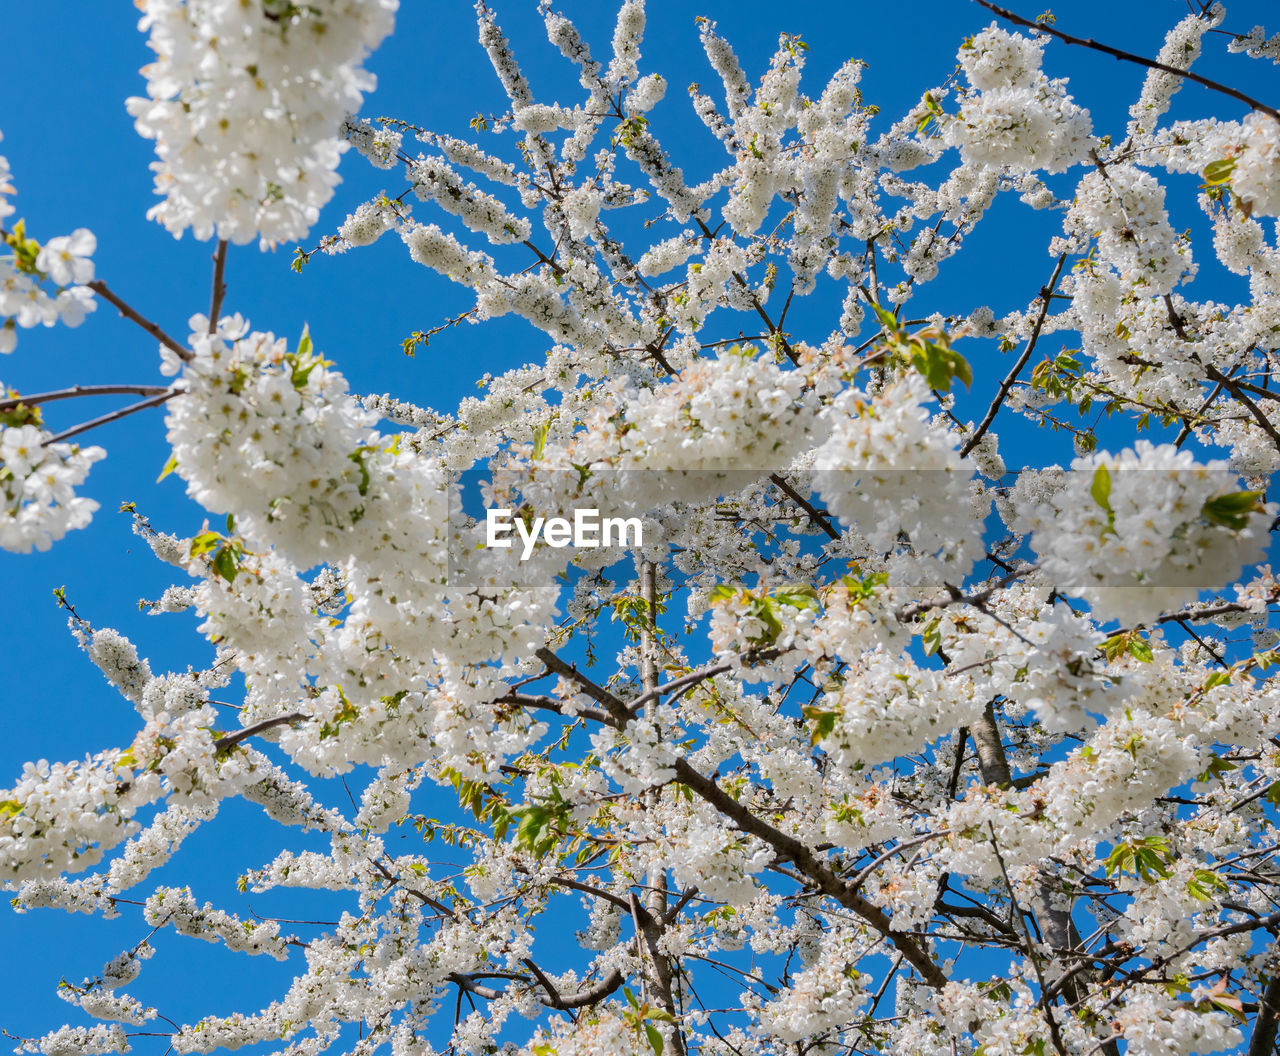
77	162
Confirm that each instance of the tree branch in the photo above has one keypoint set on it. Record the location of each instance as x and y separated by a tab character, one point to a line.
102	290
75	391
815	869
1230	385
228	742
219	286
815	515
787	847
123	412
1046	293
1129	56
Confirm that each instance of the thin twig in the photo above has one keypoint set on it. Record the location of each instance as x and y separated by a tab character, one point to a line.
1129	56
102	290
1045	294
81	390
1045	1006
1229	384
123	412
815	515
681	683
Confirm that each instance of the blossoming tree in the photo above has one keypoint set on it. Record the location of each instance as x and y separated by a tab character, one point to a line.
874	744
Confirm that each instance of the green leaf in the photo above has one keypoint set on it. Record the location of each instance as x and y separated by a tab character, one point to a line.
1114	646
887	319
940	364
1147	857
1219	172
655	1038
1101	487
797	597
1139	649
1232	511
1218	678
358	456
226	563
931	638
824	722
1203	884
169	467
540	438
204	543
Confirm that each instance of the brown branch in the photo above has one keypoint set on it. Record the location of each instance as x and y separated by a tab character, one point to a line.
81	390
1209	611
616	707
102	290
219	286
1263	1041
1045	1006
1046	294
1188	423
545	703
421	896
557	268
1129	56
774	330
818	871
977	600
815	515
683	682
228	742
582	998
1232	387
553	995
814	868
123	412
858	881
468	983
591	889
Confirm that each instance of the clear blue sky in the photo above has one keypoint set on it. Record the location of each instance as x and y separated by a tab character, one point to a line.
77	162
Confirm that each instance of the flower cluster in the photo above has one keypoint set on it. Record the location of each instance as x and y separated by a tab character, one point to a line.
40	285
830	728
1143	531
245	103
1015	116
896	476
38	503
